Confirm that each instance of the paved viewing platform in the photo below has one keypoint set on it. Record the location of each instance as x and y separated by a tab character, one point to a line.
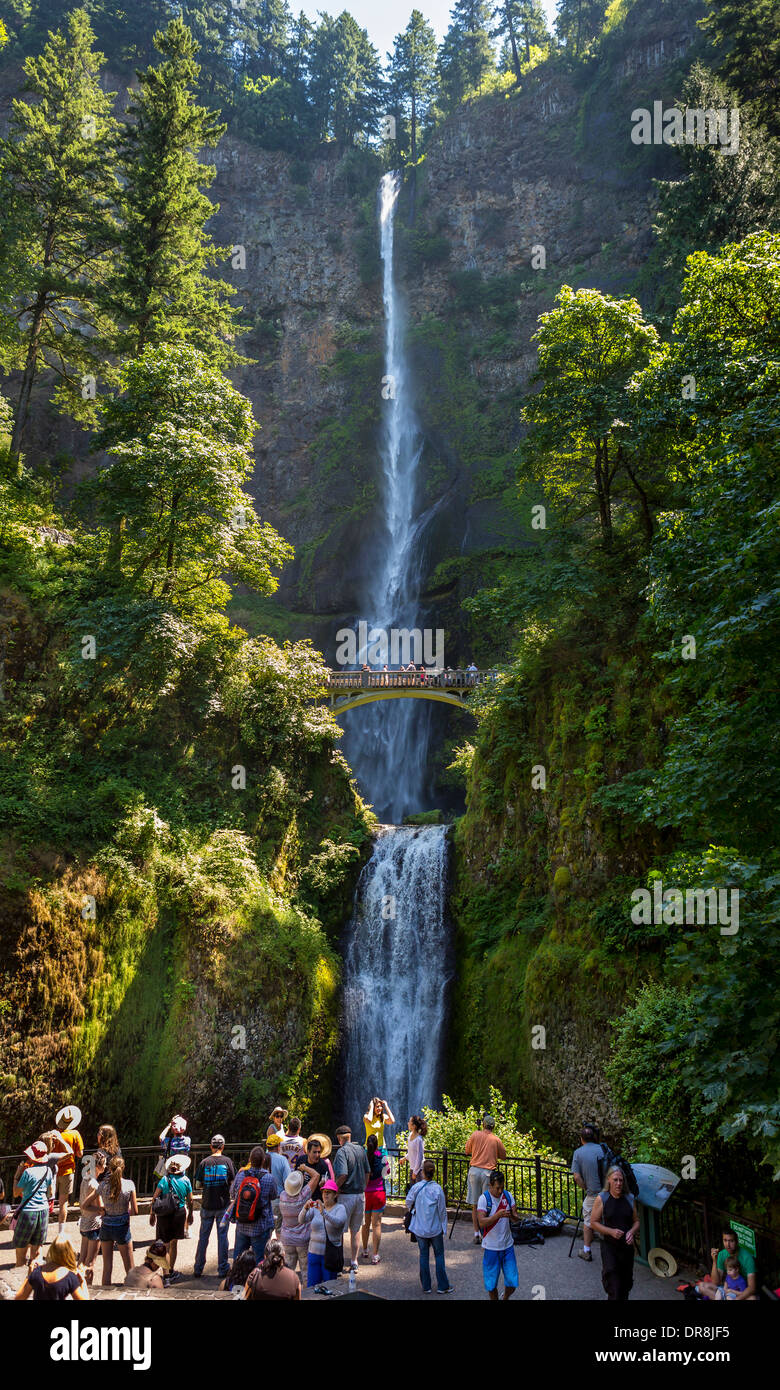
395	1278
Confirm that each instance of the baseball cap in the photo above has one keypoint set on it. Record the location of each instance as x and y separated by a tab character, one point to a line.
217	1141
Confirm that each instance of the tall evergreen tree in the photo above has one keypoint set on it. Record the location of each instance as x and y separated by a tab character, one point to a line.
578	23
521	22
162	292
412	74
346	80
57	192
466	55
749	30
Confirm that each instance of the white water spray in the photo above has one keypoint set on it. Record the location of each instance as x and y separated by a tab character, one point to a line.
396	970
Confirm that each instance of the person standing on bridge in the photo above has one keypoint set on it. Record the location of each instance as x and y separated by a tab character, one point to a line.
472	672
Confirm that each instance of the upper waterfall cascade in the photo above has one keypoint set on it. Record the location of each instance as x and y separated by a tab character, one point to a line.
388	749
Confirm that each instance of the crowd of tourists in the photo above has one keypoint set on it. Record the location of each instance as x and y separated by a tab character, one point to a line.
302	1211
293	1207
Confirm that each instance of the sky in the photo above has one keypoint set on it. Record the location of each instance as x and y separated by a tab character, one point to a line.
384	20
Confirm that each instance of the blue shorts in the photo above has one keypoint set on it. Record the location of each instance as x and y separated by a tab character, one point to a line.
494	1262
114	1228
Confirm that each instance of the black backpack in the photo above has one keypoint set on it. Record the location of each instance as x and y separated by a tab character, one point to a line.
528	1231
609	1159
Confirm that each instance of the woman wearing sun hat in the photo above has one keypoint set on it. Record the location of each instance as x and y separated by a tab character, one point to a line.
33	1181
294	1233
67	1121
326	1217
171	1226
277	1118
149	1275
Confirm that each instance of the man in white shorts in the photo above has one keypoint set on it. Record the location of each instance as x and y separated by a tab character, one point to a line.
351	1171
485	1150
585	1170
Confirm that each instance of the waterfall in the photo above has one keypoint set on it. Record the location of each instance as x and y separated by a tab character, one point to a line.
396	949
396	969
387	744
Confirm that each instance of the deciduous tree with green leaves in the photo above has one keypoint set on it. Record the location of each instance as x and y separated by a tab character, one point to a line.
578	449
178	438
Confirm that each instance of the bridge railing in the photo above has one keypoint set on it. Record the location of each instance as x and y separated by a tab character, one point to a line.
376	680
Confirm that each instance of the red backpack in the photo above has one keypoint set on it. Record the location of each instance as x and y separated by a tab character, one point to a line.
248	1199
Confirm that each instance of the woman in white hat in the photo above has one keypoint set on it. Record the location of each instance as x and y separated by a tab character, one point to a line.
174	1186
67	1121
276	1120
295	1230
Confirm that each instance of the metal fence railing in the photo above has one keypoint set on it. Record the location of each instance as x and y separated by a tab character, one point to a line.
686	1227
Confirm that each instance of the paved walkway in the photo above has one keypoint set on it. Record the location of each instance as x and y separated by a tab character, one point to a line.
545	1272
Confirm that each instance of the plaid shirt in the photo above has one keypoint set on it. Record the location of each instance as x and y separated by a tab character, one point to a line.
267	1195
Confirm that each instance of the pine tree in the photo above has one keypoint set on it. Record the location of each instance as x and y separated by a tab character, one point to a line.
162	292
521	21
413	74
750	32
346	80
57	191
466	54
578	23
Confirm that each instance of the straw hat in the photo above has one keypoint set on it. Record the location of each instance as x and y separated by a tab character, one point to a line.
662	1263
285	1113
69	1115
293	1184
162	1260
182	1161
324	1141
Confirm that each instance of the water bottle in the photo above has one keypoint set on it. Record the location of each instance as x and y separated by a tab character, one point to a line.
352	1281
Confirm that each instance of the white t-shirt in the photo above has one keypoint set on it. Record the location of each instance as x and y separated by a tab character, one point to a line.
291	1146
415	1154
499	1237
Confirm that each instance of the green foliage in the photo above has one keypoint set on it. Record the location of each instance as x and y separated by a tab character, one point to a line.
450	1127
664	1112
57	188
160	290
178	438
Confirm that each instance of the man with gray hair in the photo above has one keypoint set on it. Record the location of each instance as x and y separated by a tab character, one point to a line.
485	1150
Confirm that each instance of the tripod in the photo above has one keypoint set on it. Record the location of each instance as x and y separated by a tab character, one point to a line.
460	1203
574	1237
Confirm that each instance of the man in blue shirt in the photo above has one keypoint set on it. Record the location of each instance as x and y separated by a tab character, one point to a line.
215	1175
428	1205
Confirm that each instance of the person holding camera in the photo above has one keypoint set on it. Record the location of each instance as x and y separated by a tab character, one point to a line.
328	1219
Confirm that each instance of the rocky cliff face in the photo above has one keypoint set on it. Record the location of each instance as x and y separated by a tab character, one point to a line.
516	196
